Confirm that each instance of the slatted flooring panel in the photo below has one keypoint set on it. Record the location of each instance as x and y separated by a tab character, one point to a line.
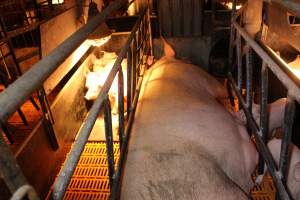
90	180
265	191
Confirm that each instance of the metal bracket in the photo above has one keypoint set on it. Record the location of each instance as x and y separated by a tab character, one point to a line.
48	120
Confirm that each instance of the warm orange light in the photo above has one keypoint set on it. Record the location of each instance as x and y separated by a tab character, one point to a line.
78	53
57	1
295	67
229	5
98	42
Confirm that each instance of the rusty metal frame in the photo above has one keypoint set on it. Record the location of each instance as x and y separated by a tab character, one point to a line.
259	131
138	42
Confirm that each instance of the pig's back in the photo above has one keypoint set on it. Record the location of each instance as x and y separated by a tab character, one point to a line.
180	137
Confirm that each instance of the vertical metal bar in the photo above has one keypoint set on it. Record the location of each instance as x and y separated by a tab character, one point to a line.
263	112
239	62
109	140
129	80
289	114
121	105
48	119
138	51
134	65
249	70
150	32
11	48
213	14
7	133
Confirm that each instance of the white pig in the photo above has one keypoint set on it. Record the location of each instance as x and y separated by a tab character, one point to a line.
275	110
293	178
184	144
96	79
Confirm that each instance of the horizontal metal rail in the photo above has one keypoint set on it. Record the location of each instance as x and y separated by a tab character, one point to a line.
269	62
101	102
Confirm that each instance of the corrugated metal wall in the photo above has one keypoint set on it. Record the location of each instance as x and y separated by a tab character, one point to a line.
180	18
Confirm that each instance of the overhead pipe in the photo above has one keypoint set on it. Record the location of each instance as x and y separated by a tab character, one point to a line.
290	5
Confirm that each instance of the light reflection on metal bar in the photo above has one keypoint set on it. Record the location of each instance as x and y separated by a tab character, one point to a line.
239	61
109	140
121	105
289	114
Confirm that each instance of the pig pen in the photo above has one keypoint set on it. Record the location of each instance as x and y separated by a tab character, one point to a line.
136	49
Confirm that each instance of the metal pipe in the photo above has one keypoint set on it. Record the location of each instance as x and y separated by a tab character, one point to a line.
11	173
129	79
239	62
18	92
121	105
249	74
289	114
263	112
291	6
273	66
109	140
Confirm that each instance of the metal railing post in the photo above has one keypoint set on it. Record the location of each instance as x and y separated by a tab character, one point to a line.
121	105
264	116
109	140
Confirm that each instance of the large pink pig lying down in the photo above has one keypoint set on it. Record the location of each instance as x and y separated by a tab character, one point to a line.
184	144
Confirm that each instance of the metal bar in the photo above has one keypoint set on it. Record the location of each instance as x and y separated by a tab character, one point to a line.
289	114
232	31
138	49
121	105
263	112
239	62
150	32
249	74
263	150
293	7
66	173
21	89
7	133
109	140
129	79
48	120
273	66
11	173
134	63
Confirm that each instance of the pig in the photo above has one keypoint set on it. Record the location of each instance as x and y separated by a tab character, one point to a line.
275	117
184	144
293	176
96	79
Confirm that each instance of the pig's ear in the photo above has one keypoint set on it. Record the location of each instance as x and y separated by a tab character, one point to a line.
168	50
297	171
